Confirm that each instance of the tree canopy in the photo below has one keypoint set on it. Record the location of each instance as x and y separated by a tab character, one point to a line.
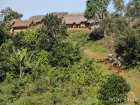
4	31
8	14
64	54
53	29
98	9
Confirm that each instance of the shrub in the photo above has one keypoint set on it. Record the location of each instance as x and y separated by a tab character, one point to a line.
64	54
97	34
127	47
53	29
26	39
114	90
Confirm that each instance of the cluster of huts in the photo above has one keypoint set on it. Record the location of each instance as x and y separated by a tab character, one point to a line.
74	21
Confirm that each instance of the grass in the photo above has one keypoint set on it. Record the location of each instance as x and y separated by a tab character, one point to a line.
81	38
95	47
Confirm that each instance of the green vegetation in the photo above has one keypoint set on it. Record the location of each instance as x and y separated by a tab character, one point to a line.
128	49
42	66
48	65
114	90
4	31
123	26
53	29
64	54
8	14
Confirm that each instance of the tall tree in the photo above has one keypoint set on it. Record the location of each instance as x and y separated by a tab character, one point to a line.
96	9
8	14
53	29
99	8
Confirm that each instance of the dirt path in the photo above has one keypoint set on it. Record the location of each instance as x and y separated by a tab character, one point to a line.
94	55
97	56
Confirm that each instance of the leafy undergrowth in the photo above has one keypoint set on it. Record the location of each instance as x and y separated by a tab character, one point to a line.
75	85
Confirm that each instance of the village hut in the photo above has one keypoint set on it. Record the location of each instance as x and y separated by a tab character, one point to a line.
76	20
37	19
22	25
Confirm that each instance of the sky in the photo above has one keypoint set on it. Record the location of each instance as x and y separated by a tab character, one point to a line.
41	7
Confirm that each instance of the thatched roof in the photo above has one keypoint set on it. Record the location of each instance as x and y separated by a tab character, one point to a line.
14	21
76	18
25	23
60	14
37	19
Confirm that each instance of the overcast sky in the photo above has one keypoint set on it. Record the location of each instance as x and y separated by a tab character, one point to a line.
41	7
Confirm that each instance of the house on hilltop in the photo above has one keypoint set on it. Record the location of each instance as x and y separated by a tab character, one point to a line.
74	21
37	19
22	25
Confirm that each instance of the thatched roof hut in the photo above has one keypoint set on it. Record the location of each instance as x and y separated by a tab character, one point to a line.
74	18
23	24
37	19
14	21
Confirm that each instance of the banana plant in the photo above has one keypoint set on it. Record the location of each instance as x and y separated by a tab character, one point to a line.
20	56
23	60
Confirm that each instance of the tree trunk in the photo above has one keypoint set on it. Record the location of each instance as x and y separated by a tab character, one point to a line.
105	34
20	71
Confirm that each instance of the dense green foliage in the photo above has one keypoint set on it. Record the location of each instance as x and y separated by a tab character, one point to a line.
4	31
41	66
26	39
127	47
76	84
45	66
114	90
53	29
64	54
97	34
115	25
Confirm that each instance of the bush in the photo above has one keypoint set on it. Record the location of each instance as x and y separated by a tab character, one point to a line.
77	84
4	32
114	90
127	47
97	34
26	39
53	29
64	54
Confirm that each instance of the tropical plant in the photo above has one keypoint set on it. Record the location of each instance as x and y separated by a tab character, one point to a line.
20	56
